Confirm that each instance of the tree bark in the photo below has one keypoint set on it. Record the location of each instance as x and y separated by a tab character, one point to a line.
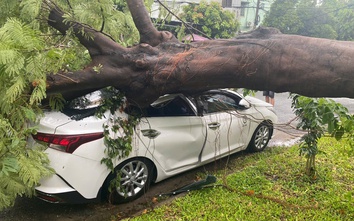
262	60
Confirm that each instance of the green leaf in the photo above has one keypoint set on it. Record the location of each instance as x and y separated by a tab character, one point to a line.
9	165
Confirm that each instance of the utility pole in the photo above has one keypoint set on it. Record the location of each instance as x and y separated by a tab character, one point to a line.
256	20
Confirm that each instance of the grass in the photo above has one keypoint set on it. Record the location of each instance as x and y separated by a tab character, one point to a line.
272	186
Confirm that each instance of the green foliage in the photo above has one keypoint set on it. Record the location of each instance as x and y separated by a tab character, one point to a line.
319	116
211	19
119	130
305	17
20	71
315	21
30	9
342	11
9	8
111	17
246	92
282	15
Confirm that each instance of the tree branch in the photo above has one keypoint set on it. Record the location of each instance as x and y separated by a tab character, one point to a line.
95	42
148	33
262	60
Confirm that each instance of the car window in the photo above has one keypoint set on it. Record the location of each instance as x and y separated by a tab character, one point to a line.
174	107
83	106
88	101
218	103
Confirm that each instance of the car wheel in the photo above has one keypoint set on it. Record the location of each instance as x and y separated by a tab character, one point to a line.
260	137
134	177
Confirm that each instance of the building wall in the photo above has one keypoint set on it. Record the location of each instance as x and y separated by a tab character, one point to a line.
245	11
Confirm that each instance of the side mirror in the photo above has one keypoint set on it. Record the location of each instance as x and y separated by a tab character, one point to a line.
243	103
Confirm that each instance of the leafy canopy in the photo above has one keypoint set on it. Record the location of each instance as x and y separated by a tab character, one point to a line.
342	12
21	60
329	19
211	19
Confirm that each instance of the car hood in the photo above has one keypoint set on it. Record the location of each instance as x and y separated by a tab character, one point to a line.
256	102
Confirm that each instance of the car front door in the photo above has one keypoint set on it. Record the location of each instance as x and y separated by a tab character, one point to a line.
227	128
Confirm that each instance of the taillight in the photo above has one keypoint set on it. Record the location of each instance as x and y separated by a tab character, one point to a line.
66	143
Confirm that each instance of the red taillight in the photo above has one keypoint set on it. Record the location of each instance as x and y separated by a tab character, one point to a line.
67	143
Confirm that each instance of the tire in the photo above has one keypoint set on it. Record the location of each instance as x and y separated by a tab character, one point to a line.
260	137
134	177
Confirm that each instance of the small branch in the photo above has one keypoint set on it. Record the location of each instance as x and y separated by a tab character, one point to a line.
103	19
70	79
69	4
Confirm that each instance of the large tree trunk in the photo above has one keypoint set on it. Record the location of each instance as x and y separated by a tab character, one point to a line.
262	60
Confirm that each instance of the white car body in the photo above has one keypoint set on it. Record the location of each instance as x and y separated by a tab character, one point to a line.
182	143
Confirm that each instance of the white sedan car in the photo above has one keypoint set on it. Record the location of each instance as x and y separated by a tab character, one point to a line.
176	133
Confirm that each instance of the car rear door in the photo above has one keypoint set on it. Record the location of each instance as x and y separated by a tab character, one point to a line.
176	134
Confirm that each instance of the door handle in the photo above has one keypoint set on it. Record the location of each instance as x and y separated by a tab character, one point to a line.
150	133
214	125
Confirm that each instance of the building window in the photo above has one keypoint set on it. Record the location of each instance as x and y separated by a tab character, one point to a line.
226	3
244	6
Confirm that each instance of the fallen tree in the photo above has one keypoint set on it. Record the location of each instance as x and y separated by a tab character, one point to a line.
264	59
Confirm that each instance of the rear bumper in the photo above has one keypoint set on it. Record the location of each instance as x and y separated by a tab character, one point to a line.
75	173
67	198
55	190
